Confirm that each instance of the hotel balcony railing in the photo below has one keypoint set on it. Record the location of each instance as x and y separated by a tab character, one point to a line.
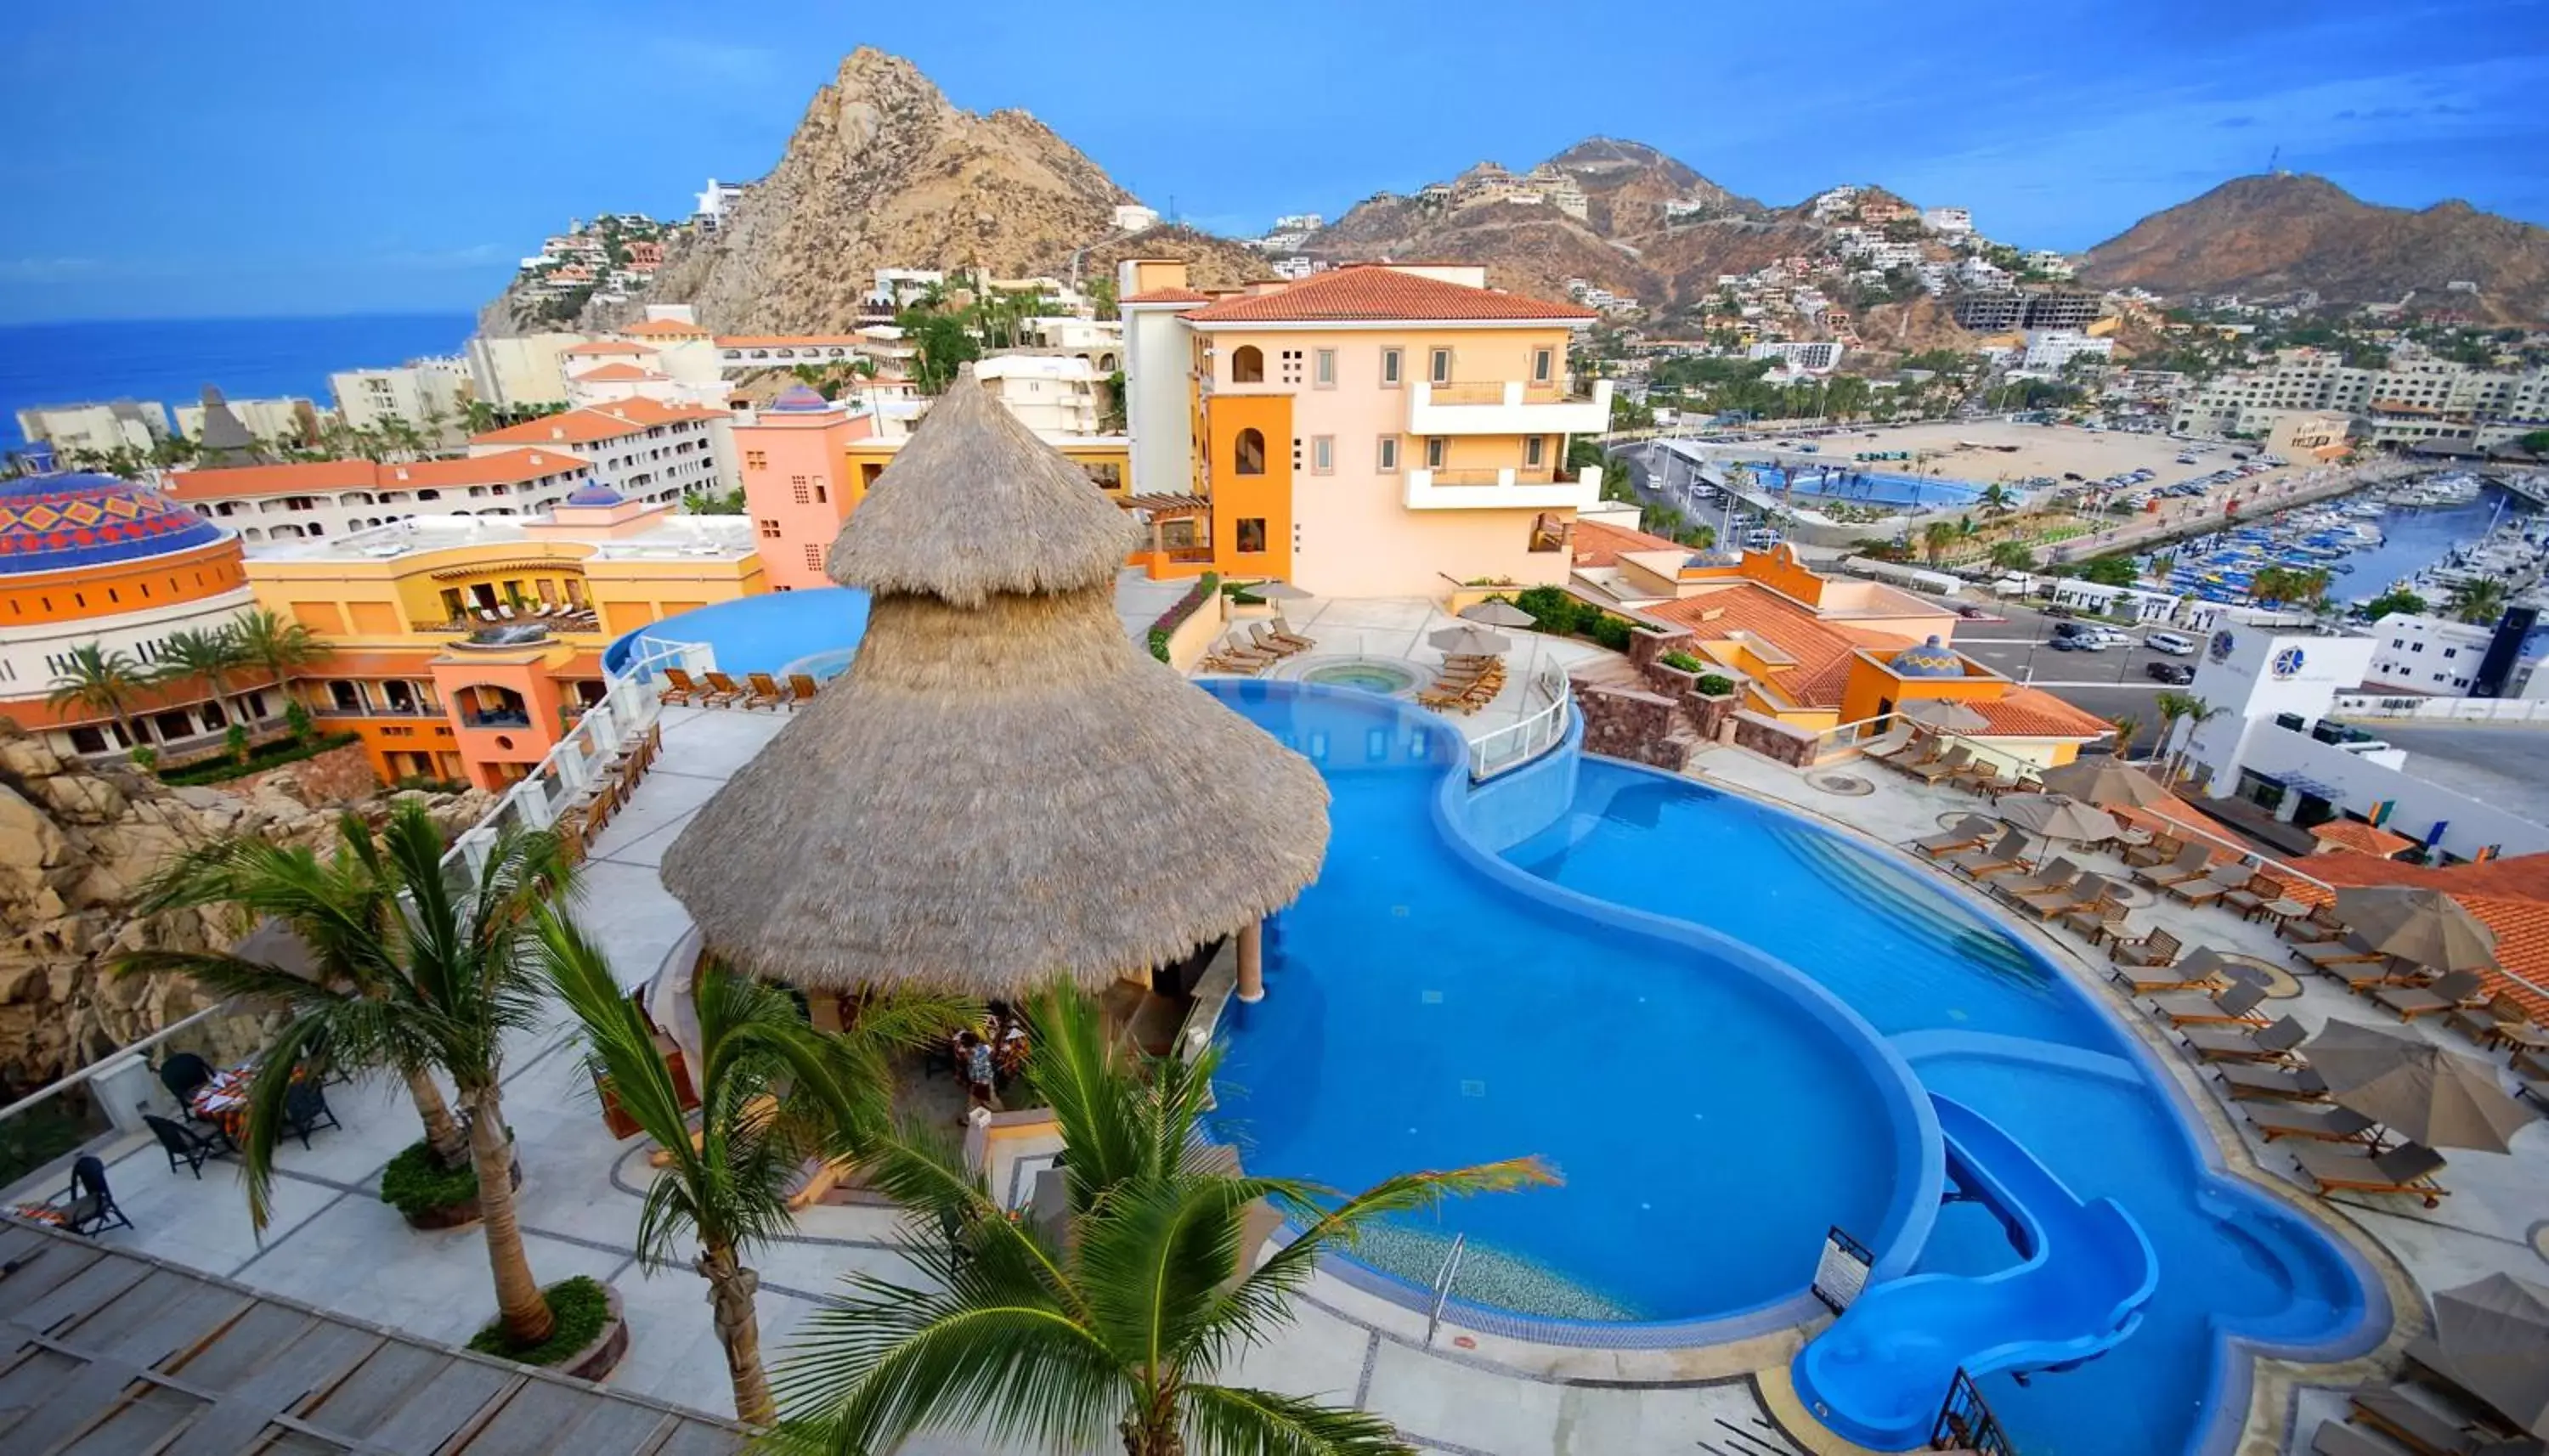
1508	488
368	709
504	718
1512	407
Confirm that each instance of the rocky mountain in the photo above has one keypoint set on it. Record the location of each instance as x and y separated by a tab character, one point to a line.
1627	184
2285	233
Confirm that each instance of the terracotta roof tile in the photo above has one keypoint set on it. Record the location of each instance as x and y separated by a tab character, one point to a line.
2031	712
594	422
614	373
2357	837
509	467
1822	655
606	347
1375	293
1167	296
1598	544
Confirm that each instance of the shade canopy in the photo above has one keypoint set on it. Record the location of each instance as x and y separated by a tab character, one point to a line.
2494	1340
1277	591
2426	927
1471	641
1498	614
2058	816
1944	714
2415	1088
1002	788
2104	780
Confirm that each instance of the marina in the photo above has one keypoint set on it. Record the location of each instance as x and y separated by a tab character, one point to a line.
2425	536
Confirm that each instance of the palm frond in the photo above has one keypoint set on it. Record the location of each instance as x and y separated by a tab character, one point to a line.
1076	1072
1231	1420
264	1111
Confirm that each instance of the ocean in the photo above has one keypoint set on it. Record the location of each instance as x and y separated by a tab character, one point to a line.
171	360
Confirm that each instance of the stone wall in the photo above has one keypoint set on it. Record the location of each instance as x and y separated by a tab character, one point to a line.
338	776
1774	740
1625	723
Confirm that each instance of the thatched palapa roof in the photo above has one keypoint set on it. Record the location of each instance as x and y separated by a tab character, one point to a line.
1003	788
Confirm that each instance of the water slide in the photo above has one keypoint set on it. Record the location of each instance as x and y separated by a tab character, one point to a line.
1878	1375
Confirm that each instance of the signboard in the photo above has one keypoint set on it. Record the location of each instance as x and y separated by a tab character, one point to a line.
1842	1272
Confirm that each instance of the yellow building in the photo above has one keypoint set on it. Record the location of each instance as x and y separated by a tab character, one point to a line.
1375	430
462	647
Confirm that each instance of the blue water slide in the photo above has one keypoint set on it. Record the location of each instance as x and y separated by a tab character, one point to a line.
1878	1373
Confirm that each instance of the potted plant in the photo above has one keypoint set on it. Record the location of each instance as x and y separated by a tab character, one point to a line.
430	1196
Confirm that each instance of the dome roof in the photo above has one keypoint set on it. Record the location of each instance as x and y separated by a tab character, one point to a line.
56	522
594	491
1931	658
797	398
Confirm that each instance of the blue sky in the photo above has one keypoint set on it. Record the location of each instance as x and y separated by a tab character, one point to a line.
288	157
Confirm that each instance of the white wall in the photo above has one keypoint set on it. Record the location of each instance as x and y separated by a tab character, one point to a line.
2470	826
1158	353
24	673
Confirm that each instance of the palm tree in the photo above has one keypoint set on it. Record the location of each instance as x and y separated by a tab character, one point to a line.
356	1002
102	680
275	644
1936	538
1041	1342
2479	600
209	657
2173	707
772	1092
2125	726
2012	556
1996	499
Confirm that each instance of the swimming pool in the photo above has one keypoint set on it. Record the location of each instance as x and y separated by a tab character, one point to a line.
1386	678
814	632
1849	483
1427	1007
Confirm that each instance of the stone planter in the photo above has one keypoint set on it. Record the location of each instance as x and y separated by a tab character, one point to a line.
596	1360
458	1214
1674	682
1710	711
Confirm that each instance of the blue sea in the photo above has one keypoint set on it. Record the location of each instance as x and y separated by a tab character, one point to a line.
171	360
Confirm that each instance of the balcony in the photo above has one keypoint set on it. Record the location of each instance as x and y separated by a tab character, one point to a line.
1511	407
1509	488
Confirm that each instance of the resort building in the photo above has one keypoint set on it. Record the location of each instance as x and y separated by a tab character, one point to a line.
2439	656
286	418
647	449
2421	401
1817	356
335	497
91	559
1051	394
1367	431
464	647
429	395
524	370
95	429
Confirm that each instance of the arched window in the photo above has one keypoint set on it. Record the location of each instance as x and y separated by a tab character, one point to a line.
1250	450
1247	365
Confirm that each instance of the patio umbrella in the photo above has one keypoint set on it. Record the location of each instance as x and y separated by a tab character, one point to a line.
1278	591
2414	1087
2104	780
2495	1340
1498	614
1002	789
1944	714
2425	927
1467	641
2058	816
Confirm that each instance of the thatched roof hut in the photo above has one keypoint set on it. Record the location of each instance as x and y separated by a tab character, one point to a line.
1003	788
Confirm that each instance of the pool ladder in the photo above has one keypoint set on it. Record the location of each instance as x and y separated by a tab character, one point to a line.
1444	1278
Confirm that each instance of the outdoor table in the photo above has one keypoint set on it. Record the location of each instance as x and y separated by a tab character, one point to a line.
223	1099
2132	837
2280	912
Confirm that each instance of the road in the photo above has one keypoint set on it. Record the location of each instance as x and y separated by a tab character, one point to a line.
2504	764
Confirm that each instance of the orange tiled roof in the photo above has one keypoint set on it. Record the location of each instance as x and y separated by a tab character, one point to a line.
508	468
1371	292
607	347
1598	544
612	372
2360	838
1822	655
665	328
2032	712
1167	296
787	340
594	422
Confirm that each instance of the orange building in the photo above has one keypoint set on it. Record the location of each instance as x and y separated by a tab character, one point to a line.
797	482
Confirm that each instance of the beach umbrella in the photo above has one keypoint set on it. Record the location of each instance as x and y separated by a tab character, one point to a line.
2421	926
2058	816
1002	789
1944	714
2414	1087
2104	780
1278	591
2494	1336
1498	614
1471	641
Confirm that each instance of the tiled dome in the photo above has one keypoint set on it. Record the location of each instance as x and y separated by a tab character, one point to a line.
1930	659
594	491
56	522
797	398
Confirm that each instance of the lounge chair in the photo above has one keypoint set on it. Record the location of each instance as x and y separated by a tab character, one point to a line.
1942	766
2316	928
2161	848
1238	666
2083	893
2502	1020
765	691
1924	748
2352	950
801	688
2234	1003
2102	918
2257	1081
722	691
2408	1168
1264	641
2325	1124
2155	953
2245	1044
2462	991
2006	855
2336	1438
2260	891
2421	1425
1236	646
1886	749
2219	881
89	1209
2191	864
2531	1075
1282	632
1971	832
2051	880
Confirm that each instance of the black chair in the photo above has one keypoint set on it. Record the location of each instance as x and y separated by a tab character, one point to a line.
306	1110
182	1142
182	1073
89	1209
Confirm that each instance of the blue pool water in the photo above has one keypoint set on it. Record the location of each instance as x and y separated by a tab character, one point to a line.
813	632
1876	487
1429	1007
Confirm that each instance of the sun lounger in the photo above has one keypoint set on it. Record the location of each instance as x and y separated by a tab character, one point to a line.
2160	850
2255	1081
1236	646
1944	766
2006	855
2459	991
2531	1075
2245	1044
1264	641
677	687
1238	666
2191	864
2260	891
801	688
2085	893
2202	970
2336	1438
765	691
2503	1021
1282	632
2352	950
2329	1124
2099	919
2235	1003
722	691
2406	1168
1886	749
2317	928
1924	748
1971	832
2051	880
2155	953
2222	880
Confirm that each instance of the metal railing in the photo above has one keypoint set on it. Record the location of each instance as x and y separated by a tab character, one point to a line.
1966	1423
1518	743
1444	1279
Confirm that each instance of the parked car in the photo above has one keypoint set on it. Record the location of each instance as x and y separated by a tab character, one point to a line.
2175	644
2176	675
2071	629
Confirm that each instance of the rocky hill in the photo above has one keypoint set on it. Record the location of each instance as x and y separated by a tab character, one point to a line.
2285	233
1627	184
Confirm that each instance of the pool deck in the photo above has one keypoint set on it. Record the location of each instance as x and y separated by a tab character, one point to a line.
1469	1393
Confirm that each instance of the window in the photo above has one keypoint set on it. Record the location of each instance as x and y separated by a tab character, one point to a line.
798	490
822	496
769	530
756	460
1440	370
1388	459
1252	533
1291	359
2398	641
2420	647
1247	365
1323	369
1249	451
813	557
1534	447
2451	652
1390	363
1323	454
1434	451
1543	361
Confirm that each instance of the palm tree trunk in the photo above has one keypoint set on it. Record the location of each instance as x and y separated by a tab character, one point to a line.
519	1304
442	1133
738	1328
1152	1429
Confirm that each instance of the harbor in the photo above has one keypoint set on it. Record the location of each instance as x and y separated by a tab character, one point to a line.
2427	535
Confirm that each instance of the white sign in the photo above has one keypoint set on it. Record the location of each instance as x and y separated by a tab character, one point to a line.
1842	1272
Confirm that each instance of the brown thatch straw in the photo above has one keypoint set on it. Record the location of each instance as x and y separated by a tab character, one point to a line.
1003	788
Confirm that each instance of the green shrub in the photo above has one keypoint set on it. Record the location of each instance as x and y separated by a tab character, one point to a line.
1551	609
235	739
412	1184
1245	599
1715	684
1610	631
297	718
1683	662
579	1306
1185	607
271	756
144	757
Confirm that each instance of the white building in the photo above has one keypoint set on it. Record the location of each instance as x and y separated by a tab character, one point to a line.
2050	349
1953	222
2426	400
530	369
716	201
284	417
644	449
2052	264
2439	658
1051	394
431	395
327	498
1300	222
1815	356
95	429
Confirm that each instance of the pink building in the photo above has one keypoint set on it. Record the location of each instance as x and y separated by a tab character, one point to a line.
797	482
